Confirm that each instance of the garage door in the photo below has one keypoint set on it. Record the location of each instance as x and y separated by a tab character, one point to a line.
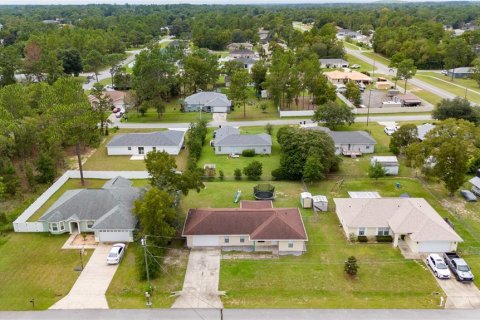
205	241
434	246
114	236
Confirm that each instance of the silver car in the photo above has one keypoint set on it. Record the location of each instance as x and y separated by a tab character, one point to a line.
116	253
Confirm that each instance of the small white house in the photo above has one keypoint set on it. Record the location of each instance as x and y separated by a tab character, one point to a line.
320	203
229	140
170	141
389	163
306	200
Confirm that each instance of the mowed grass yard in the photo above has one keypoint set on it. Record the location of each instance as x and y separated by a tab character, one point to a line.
172	114
101	161
316	279
363	65
32	265
126	291
228	165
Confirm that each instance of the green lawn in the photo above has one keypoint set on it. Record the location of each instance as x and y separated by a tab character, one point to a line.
172	114
363	65
444	83
316	279
100	160
350	45
253	111
228	165
75	184
126	291
422	94
377	57
32	265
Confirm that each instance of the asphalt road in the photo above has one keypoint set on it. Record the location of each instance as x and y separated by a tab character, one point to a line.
244	314
383	69
280	122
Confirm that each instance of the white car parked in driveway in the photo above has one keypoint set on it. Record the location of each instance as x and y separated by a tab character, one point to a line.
116	253
390	130
438	266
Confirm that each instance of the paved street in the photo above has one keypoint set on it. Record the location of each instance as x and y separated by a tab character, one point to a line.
88	292
200	287
244	314
383	69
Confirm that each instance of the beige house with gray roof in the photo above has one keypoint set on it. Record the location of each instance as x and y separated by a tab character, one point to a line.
411	220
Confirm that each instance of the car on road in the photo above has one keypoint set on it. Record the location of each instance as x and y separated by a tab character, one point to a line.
438	266
390	130
444	72
109	87
116	253
341	88
459	267
468	196
355	66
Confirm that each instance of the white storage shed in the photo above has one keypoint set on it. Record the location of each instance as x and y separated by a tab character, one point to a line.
306	200
320	203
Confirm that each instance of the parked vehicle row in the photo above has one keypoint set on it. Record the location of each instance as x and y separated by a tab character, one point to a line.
450	263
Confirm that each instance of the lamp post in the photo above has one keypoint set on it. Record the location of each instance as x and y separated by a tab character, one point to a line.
81	252
368	105
143	242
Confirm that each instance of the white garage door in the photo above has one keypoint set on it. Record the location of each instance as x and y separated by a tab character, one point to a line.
114	236
434	246
205	241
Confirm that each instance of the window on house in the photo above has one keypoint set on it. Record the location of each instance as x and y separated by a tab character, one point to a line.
90	224
62	226
290	244
129	148
367	147
154	149
242	240
361	231
264	150
141	150
54	227
383	231
219	149
226	239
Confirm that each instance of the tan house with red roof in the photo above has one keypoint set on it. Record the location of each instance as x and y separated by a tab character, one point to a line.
255	226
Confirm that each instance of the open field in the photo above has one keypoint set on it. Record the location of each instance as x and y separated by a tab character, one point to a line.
456	87
127	292
376	57
363	65
32	266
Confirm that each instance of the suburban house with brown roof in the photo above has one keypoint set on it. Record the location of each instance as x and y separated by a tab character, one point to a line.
411	221
255	226
343	77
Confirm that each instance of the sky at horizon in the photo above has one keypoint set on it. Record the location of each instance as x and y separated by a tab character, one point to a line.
69	2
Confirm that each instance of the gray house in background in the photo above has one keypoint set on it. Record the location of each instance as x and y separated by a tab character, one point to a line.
347	142
334	63
228	140
464	72
207	102
107	212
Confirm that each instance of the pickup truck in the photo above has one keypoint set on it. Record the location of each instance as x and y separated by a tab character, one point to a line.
459	267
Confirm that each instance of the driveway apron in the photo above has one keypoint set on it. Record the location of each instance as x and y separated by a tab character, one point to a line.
200	287
88	292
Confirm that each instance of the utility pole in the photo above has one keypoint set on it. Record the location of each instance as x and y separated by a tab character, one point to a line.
143	241
368	106
81	251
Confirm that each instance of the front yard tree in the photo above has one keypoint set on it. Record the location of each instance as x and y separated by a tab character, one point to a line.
201	69
406	70
71	61
239	88
353	93
333	115
313	170
93	62
351	266
259	75
457	53
102	106
232	66
376	171
253	171
403	137
458	108
451	145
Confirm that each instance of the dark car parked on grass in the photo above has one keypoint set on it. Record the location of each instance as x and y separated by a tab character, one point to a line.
468	196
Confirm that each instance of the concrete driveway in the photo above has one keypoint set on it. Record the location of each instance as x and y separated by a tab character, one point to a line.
200	287
88	292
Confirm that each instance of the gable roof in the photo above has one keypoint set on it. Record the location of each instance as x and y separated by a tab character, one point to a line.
259	224
110	207
412	216
207	97
423	130
159	138
242	51
255	204
346	137
475	181
352	75
225	131
245	140
333	61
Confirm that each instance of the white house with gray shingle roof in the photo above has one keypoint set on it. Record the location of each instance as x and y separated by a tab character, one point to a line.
170	141
229	140
347	141
412	220
207	102
107	212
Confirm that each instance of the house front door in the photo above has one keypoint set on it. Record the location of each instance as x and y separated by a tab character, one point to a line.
141	150
74	227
